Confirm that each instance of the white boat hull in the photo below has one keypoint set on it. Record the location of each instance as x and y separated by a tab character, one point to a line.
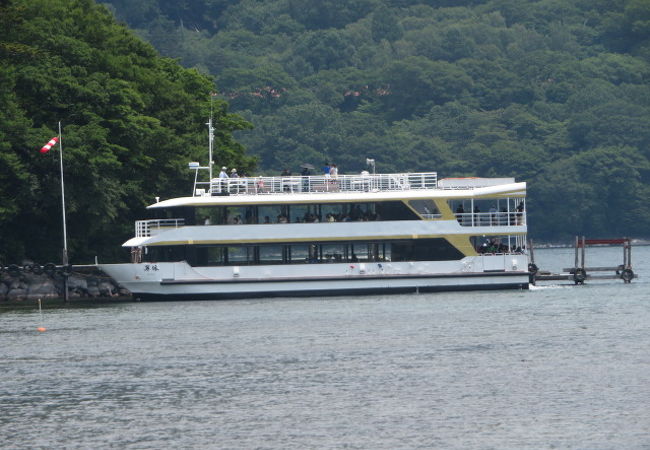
178	280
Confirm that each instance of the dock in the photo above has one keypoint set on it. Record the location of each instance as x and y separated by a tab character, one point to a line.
580	272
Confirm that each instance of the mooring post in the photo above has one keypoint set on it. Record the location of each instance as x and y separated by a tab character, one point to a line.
575	265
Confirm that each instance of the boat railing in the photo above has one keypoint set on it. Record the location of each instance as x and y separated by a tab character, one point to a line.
147	228
491	219
364	182
432	216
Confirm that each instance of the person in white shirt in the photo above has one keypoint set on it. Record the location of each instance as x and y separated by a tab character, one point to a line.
223	176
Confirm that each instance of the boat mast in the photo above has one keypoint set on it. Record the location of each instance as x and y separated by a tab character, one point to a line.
210	140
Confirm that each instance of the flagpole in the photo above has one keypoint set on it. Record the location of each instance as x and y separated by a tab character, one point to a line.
65	234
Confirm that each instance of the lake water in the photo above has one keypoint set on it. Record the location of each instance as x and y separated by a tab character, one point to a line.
554	367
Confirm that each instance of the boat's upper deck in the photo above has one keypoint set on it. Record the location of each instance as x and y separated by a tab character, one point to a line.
319	184
344	188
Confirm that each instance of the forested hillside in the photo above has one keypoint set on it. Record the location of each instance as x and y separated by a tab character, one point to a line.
553	92
131	123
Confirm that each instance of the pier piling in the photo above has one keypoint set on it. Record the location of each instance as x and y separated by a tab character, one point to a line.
580	272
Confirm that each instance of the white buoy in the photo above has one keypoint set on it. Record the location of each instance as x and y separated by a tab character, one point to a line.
40	315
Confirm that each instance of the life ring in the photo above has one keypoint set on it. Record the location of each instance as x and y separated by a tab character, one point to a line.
37	269
579	276
627	275
49	268
13	270
532	268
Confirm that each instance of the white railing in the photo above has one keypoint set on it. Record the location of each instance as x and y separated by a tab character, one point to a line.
147	228
491	219
318	184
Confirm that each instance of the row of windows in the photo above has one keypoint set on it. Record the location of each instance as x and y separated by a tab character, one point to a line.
290	213
313	253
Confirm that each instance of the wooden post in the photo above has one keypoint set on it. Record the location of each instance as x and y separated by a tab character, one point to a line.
530	250
627	248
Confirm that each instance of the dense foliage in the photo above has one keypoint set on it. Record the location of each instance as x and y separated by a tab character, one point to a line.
131	122
553	92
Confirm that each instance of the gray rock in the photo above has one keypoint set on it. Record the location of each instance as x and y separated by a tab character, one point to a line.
93	291
77	285
41	287
17	294
107	289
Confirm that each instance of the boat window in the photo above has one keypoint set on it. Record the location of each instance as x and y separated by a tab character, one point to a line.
333	253
499	244
333	212
271	254
489	211
298	253
240	255
236	215
426	208
272	213
394	211
424	250
164	253
216	256
359	252
305	214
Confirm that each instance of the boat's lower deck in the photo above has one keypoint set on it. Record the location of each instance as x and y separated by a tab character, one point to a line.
179	280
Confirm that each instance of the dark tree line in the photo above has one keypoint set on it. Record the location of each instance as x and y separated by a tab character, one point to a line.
553	92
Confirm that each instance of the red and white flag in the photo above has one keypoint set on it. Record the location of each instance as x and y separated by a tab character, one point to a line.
46	148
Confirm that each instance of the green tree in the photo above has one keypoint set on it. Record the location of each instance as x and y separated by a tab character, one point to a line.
132	121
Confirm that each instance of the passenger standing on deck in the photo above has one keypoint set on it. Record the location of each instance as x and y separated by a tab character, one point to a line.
326	170
520	213
223	177
305	178
459	213
334	174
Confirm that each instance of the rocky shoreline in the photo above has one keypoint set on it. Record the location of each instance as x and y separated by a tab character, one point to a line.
27	286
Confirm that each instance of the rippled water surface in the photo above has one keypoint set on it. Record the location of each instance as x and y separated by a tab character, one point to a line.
557	366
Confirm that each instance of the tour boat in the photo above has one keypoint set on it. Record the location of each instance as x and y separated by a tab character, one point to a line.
321	235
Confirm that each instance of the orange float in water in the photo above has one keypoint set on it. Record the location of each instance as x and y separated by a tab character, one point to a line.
41	329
